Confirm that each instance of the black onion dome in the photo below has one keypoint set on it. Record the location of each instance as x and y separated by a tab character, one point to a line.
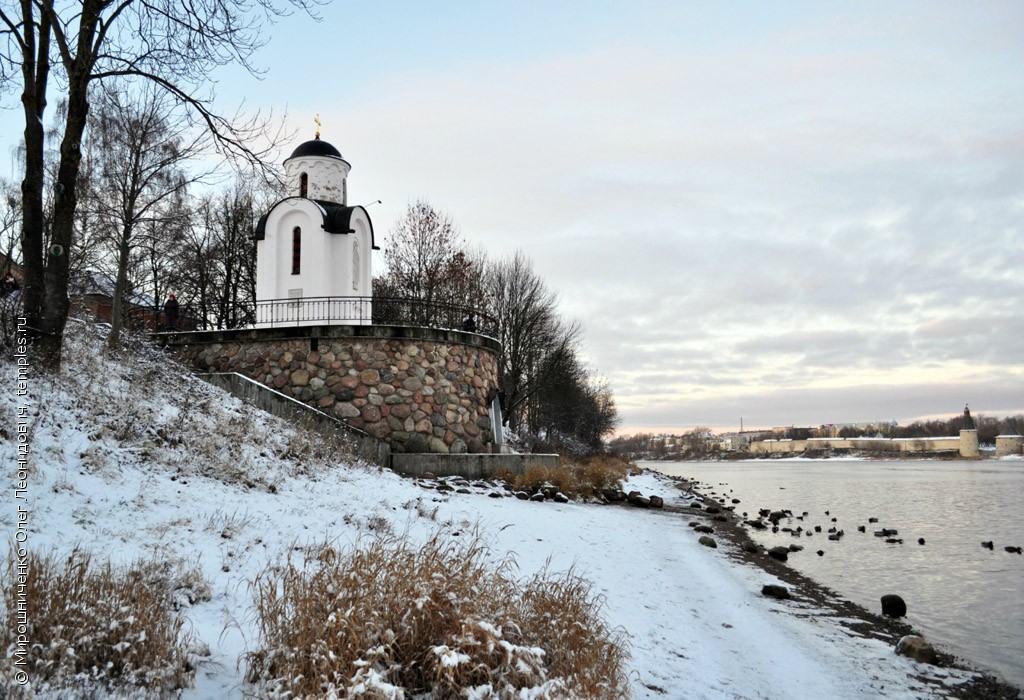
316	147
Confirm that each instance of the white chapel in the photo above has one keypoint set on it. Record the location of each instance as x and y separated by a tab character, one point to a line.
313	250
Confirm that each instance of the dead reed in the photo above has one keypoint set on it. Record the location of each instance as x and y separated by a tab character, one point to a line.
574	478
94	626
390	617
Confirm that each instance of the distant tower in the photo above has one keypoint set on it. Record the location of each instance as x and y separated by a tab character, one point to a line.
967	421
968	436
312	249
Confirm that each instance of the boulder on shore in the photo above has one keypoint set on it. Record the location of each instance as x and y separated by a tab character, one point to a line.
775	591
708	542
893	605
780	553
916	648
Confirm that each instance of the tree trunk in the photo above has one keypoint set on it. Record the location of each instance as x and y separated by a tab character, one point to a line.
46	351
117	308
54	312
33	99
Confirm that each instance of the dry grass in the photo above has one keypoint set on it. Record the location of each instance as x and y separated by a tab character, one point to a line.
390	617
575	478
94	626
116	390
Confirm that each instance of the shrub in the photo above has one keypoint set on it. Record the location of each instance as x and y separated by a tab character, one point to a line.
390	618
94	626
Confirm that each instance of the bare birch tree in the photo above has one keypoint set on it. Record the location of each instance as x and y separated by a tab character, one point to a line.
139	147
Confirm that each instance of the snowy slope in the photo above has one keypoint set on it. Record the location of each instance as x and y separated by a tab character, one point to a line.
137	458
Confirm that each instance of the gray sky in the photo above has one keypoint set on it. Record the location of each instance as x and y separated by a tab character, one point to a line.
793	213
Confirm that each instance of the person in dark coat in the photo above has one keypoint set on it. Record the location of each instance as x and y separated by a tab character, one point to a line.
469	325
10	285
171	313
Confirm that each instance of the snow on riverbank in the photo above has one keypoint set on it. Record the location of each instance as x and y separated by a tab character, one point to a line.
129	462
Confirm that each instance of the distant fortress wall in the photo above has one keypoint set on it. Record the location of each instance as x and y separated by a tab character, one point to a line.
1009	445
966	444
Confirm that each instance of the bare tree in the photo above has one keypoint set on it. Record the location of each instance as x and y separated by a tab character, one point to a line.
155	259
139	147
216	270
697	443
530	330
570	411
174	45
631	446
426	259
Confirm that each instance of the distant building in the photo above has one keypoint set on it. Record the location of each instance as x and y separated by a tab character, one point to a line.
741	440
92	295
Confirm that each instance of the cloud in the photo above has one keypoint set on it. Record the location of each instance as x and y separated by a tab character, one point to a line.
811	407
810	211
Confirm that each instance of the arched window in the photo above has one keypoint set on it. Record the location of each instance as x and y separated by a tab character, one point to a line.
303	184
296	250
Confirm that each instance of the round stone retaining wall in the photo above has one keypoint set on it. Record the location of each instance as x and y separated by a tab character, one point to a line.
418	389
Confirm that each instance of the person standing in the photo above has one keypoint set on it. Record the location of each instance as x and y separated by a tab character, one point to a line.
10	285
171	313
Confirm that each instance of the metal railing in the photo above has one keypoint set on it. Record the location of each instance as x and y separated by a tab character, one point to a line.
324	311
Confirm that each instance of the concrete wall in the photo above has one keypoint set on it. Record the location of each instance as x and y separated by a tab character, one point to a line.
475	466
419	390
1009	445
266	399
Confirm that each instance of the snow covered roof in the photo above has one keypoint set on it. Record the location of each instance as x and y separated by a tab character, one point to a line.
96	283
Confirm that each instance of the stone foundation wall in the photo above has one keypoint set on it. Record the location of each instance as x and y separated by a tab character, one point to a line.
418	389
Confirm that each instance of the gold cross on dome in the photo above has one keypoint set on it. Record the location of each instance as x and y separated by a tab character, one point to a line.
317	120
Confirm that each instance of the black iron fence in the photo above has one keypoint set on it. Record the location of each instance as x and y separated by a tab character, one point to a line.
321	311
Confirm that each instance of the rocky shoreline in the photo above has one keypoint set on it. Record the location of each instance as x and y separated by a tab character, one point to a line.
705	511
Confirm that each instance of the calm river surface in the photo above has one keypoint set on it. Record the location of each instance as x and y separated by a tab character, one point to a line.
961	596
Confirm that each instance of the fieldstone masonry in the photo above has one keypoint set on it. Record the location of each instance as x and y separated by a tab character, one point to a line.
430	393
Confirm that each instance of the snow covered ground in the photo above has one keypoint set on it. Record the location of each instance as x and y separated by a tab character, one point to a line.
141	459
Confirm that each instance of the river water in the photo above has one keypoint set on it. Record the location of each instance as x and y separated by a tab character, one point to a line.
961	596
